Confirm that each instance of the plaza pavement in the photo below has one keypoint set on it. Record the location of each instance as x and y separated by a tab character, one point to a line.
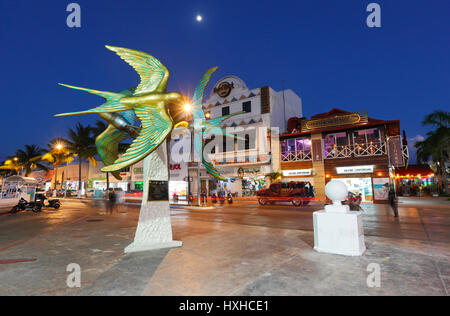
238	250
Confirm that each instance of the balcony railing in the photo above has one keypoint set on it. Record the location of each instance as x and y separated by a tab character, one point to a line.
296	156
348	151
360	150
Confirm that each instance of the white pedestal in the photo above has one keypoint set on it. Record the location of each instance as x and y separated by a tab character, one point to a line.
154	230
340	233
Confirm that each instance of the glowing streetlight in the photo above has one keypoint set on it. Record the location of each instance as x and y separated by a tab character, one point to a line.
59	146
187	107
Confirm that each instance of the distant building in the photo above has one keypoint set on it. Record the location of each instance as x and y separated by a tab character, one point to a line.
246	162
351	147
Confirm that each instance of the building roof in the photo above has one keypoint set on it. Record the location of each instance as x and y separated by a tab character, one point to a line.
392	126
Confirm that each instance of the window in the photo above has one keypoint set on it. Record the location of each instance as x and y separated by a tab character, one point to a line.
331	141
225	110
247	106
247	142
367	137
296	145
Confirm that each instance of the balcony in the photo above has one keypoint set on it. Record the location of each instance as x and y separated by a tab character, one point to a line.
239	157
348	151
360	150
291	156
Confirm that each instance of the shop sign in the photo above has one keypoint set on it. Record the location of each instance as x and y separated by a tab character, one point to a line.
354	169
318	124
299	172
395	151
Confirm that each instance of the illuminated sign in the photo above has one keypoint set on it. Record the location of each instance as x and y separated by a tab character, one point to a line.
354	169
350	119
298	172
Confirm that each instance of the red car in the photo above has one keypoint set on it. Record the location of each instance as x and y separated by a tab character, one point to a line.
298	193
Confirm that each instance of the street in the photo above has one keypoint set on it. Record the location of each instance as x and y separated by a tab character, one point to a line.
242	249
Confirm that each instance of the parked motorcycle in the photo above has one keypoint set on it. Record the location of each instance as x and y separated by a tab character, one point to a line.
230	198
214	198
23	205
55	203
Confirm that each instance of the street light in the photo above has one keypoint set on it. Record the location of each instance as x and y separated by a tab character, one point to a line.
187	107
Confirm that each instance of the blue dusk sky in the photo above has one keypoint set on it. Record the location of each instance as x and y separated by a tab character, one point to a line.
322	50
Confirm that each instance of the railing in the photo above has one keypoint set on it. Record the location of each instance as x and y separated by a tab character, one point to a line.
360	150
337	152
296	156
239	157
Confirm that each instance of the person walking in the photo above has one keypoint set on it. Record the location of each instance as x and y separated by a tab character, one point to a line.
393	201
112	200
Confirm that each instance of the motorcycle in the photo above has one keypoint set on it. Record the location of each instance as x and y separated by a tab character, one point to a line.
222	199
23	205
230	198
55	203
191	199
204	198
175	197
214	198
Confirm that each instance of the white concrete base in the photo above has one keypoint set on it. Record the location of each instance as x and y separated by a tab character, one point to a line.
154	230
339	233
152	246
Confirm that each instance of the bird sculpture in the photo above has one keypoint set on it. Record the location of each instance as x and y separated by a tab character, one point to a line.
155	108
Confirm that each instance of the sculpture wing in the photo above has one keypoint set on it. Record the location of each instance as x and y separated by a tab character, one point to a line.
197	101
156	126
199	145
108	146
154	75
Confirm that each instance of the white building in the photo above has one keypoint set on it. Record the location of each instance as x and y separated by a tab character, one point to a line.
247	164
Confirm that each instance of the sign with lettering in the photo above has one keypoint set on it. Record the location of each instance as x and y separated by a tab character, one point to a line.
354	169
298	172
158	191
318	124
395	151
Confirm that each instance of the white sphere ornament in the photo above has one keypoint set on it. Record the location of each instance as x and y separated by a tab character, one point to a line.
336	191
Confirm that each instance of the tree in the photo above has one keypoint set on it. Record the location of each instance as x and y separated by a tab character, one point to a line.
82	143
58	154
11	165
25	160
435	147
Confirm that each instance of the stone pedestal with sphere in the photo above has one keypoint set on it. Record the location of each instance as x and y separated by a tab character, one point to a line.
338	230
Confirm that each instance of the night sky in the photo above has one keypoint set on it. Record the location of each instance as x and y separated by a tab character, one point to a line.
323	50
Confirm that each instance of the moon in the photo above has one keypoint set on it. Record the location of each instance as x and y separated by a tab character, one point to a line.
199	18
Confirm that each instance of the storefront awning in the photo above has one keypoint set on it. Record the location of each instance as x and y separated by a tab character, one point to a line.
414	171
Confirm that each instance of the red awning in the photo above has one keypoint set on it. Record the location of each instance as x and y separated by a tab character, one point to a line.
414	171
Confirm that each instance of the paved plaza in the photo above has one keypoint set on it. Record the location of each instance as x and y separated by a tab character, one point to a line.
239	250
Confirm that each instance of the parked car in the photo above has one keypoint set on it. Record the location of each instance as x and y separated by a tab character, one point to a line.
298	193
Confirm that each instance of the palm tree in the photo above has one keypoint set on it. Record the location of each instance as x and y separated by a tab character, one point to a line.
82	143
31	158
27	159
10	165
57	155
436	145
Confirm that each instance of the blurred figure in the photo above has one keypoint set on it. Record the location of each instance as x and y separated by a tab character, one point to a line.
112	198
393	201
120	200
